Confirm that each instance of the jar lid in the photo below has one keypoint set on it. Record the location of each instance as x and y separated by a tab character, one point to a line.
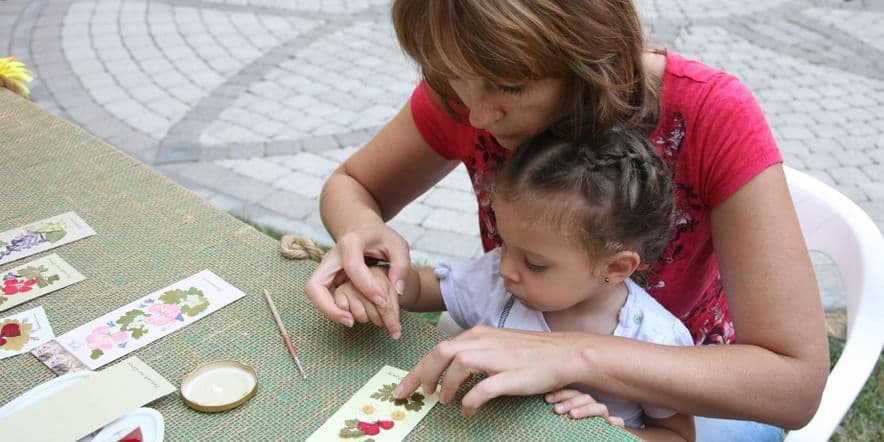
219	386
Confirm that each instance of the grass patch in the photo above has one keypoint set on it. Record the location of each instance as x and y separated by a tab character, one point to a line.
865	420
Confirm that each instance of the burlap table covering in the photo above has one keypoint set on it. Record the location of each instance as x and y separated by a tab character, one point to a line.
153	232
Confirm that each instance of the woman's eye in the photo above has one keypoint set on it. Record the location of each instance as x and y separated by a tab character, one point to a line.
512	90
533	267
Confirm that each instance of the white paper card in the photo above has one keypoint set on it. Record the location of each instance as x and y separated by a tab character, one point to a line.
23	331
139	323
42	235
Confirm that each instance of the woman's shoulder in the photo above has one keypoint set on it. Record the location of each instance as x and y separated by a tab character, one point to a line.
692	84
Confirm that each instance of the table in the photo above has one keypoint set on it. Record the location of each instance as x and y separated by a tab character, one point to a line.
153	232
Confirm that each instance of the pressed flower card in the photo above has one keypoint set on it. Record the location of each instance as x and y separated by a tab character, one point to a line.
139	323
41	236
86	405
23	331
34	279
374	414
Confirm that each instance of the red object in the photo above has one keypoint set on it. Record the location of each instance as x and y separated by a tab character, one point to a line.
14	286
369	428
133	436
385	424
10	331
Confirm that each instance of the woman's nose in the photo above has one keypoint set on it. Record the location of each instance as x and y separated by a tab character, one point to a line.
484	107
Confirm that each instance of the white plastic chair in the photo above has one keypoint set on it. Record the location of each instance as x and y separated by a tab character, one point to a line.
833	225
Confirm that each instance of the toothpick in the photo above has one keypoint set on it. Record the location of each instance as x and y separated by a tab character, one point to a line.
285	335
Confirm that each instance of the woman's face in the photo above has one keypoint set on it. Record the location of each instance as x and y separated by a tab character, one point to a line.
511	113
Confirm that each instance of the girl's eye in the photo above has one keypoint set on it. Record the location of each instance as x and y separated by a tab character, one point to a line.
536	268
512	90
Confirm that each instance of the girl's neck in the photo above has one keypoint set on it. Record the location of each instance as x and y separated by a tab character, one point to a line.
599	314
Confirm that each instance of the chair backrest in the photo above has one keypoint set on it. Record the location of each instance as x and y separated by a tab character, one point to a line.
833	225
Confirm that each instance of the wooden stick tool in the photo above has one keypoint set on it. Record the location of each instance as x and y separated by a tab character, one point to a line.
285	335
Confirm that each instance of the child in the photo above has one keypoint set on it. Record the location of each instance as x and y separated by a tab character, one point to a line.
576	221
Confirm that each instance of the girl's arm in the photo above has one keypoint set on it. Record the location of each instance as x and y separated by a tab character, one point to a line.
676	428
775	372
423	293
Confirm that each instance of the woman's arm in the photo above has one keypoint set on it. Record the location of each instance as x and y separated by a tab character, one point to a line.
777	370
775	373
364	192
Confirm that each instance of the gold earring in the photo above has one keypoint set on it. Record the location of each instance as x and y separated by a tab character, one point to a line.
607	280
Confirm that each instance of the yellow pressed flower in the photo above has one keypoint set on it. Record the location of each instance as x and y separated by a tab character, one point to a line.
367	409
398	415
15	73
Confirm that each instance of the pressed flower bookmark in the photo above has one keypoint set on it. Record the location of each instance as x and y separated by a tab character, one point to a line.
373	413
21	332
42	235
139	323
35	279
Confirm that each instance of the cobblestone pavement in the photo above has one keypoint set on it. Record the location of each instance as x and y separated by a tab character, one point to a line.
252	103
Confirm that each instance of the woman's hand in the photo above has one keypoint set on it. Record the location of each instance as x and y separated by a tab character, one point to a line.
349	298
346	262
517	363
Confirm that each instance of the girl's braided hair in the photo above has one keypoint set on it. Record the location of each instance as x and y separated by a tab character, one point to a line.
613	190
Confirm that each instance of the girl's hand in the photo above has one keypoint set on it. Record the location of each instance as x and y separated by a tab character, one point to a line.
518	363
346	262
348	298
578	405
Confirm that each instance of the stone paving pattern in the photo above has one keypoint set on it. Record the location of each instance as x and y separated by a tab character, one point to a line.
252	103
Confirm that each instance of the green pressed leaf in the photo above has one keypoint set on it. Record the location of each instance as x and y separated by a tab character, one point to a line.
350	429
385	393
37	274
132	322
96	354
194	302
172	296
2	299
55	235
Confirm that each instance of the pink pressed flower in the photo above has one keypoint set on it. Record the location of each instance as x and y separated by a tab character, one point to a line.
101	338
162	314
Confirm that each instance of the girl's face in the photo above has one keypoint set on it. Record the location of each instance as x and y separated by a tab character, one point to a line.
512	113
543	266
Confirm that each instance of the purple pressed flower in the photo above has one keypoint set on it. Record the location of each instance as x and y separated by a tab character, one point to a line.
23	242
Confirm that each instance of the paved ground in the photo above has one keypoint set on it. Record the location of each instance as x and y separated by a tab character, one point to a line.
252	103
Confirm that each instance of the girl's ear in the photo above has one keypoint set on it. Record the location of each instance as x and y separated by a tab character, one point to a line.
620	266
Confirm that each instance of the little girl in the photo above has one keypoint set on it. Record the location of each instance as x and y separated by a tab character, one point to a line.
576	221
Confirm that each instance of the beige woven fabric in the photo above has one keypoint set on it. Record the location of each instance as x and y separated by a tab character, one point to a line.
153	232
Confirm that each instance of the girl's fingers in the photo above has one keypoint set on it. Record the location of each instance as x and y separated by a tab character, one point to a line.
616	421
589	410
560	395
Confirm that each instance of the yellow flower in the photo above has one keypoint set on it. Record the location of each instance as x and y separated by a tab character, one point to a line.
15	73
398	415
367	409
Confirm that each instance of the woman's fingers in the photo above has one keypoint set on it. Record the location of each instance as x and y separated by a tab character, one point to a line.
318	289
594	409
352	251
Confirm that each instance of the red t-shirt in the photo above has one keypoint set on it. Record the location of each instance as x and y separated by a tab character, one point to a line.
715	139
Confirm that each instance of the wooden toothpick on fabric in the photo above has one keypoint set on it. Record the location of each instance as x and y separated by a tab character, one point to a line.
285	334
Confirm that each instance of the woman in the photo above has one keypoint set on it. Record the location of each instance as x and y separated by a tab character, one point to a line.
737	271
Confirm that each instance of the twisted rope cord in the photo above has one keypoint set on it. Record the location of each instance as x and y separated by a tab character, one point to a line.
295	247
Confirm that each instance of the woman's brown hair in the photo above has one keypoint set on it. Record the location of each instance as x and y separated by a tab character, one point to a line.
596	46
